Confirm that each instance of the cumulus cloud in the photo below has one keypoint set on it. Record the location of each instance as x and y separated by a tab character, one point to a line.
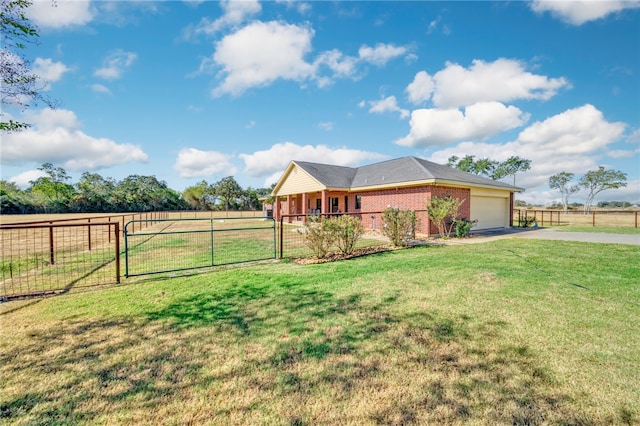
420	89
23	179
56	137
193	162
48	70
381	53
274	160
388	104
247	56
115	64
503	80
573	141
60	14
235	13
431	127
578	12
261	53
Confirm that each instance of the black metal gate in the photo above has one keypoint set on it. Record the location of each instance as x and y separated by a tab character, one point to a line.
166	245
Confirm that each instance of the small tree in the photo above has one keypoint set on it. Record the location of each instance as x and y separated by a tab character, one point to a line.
347	230
442	208
596	181
399	226
560	182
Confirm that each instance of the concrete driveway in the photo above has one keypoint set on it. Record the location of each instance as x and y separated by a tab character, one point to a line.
554	234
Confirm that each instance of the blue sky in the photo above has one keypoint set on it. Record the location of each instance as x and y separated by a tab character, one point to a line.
193	90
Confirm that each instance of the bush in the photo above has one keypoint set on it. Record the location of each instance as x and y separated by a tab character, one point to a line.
319	235
463	226
441	208
399	226
526	222
346	230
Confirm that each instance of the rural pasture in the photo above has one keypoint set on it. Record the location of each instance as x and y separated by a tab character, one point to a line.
510	331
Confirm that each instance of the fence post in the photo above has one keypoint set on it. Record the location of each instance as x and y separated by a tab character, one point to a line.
117	235
636	218
281	235
51	249
89	233
593	218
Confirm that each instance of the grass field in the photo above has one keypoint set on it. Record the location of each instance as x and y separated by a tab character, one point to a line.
503	332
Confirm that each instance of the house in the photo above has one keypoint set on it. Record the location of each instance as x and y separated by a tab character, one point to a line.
406	183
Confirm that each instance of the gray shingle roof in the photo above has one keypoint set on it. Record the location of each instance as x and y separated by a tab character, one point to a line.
399	170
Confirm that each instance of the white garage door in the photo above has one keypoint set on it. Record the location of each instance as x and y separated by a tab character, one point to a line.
491	212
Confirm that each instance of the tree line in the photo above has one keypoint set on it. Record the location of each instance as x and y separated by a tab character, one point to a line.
93	193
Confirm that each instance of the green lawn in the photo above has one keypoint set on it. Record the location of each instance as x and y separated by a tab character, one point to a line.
503	332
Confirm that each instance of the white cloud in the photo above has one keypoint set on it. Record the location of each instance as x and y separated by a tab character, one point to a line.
388	104
578	12
381	53
247	56
56	138
48	70
261	53
115	64
326	125
573	141
431	127
235	13
23	179
99	88
60	14
503	80
193	162
420	89
274	160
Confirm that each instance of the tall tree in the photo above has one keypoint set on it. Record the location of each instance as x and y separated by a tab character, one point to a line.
510	167
596	181
483	166
560	182
20	85
196	196
94	193
53	191
228	190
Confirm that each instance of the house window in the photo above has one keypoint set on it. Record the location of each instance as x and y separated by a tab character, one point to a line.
319	204
334	204
358	202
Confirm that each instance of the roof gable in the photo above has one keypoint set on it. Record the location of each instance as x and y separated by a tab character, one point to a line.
399	171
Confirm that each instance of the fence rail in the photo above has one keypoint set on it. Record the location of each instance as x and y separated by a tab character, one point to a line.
41	259
594	218
169	245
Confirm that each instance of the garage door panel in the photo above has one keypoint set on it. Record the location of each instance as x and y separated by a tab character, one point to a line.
490	212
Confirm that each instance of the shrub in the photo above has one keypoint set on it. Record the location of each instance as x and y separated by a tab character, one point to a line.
526	222
441	208
399	226
319	236
463	226
346	230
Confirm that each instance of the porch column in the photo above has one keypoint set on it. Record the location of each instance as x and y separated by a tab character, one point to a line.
325	202
276	208
289	208
305	207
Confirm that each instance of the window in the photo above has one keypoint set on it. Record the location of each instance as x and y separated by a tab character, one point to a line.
358	202
334	204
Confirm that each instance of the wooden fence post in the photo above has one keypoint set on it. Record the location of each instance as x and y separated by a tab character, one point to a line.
117	234
51	249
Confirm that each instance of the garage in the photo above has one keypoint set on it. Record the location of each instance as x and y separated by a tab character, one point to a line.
489	211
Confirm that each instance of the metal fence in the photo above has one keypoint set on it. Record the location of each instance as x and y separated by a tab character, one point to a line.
156	246
594	218
42	259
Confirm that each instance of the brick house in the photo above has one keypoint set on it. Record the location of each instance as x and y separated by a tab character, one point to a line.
406	183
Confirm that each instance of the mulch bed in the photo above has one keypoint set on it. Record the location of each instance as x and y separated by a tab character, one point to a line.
334	256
